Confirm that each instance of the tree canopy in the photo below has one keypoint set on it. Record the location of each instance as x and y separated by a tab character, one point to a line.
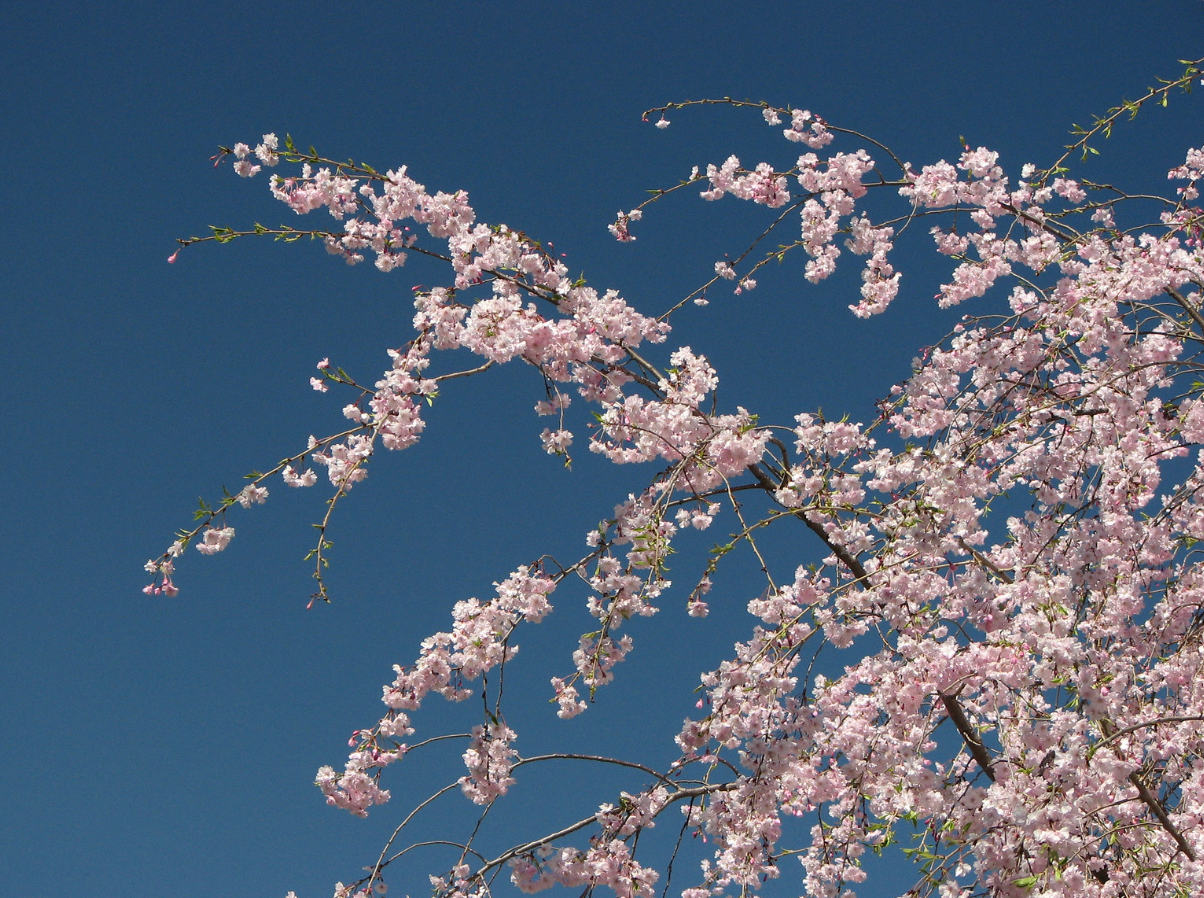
990	666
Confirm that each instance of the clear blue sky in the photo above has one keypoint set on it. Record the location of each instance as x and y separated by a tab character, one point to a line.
155	747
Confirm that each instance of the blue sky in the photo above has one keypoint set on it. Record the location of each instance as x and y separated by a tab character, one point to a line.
157	746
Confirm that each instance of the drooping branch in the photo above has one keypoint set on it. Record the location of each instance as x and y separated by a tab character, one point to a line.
986	562
601	759
1159	811
1116	734
845	557
1186	306
527	847
968	733
1035	385
1150	799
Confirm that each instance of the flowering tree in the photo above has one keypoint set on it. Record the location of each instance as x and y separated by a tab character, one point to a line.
1021	701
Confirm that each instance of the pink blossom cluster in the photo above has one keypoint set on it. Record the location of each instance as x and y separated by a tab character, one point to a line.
460	883
832	186
215	539
161	570
621	228
354	790
264	152
804	128
676	429
634	812
478	641
761	185
607	862
1191	171
489	758
880	281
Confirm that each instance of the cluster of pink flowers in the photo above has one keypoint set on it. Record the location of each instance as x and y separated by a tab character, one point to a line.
489	758
354	790
161	570
761	185
1191	171
478	641
675	428
607	862
264	152
804	128
215	539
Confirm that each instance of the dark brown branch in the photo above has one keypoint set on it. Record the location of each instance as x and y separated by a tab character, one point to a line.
970	735
1187	307
1116	734
843	554
840	552
985	561
1151	800
518	850
1159	811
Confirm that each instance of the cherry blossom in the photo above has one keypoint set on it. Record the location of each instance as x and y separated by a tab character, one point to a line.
1007	576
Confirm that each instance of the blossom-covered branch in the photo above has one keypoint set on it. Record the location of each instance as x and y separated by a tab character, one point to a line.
1007	585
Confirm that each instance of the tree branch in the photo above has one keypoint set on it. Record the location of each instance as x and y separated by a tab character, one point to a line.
1187	307
847	559
970	735
517	850
1150	799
